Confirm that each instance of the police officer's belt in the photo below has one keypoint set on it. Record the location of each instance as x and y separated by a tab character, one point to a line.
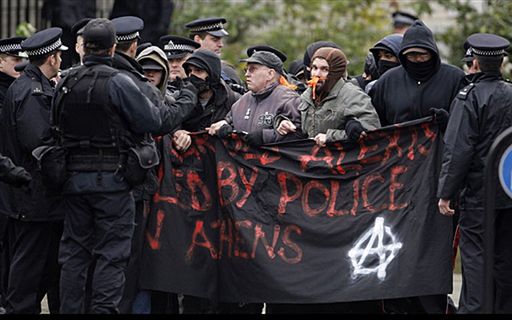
93	159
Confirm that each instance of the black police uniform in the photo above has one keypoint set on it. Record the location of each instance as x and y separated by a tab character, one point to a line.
100	205
11	47
480	112
215	27
35	216
127	29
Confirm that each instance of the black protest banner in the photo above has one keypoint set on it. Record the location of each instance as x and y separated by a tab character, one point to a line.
297	223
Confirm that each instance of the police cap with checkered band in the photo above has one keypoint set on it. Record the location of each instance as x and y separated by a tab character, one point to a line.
43	42
487	44
213	26
12	47
176	47
128	28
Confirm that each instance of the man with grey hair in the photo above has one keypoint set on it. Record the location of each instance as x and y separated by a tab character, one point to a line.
256	110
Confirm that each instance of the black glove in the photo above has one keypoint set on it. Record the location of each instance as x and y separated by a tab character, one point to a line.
188	85
18	177
254	138
237	88
441	117
225	131
353	129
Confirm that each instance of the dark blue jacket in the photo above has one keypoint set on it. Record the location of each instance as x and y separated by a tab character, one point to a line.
24	122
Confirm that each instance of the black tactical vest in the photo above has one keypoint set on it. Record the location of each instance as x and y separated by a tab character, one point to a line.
89	127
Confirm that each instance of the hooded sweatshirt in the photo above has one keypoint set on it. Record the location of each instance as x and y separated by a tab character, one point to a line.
223	97
157	55
392	44
399	96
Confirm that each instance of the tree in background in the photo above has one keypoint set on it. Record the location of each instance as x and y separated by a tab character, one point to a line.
290	25
355	25
496	18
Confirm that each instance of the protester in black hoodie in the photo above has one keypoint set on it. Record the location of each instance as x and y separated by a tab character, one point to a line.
215	97
420	84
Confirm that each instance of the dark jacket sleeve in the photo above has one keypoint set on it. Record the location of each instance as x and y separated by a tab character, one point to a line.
173	113
290	110
460	138
140	113
6	166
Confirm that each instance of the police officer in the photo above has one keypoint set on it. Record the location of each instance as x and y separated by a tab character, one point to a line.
34	216
210	34
16	176
99	219
177	49
10	55
479	113
402	21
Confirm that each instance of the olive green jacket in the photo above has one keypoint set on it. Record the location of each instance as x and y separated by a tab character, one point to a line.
345	101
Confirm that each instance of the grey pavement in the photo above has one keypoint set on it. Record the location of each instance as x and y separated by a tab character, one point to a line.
457	281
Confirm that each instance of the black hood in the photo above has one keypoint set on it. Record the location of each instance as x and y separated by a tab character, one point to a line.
420	36
207	61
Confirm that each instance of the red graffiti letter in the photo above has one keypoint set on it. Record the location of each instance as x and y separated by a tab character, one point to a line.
238	238
314	184
395	185
154	242
282	178
393	144
260	234
199	231
248	185
331	210
366	185
292	245
228	181
193	181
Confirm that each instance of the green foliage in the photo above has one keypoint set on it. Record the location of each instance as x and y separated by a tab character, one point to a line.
495	18
25	29
355	25
290	25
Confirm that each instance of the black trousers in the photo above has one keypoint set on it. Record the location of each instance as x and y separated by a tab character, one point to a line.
97	227
472	259
34	270
133	270
4	259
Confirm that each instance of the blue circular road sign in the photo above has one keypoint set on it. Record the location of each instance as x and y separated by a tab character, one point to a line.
505	171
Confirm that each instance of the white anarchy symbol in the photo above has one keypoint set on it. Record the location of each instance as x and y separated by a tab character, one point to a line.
375	247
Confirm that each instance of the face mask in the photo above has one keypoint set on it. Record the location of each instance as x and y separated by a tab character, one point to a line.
420	71
385	65
199	83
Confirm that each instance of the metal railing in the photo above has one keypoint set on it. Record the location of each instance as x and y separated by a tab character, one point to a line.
15	12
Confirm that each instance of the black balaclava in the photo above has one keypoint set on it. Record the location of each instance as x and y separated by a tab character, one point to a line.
385	65
421	71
